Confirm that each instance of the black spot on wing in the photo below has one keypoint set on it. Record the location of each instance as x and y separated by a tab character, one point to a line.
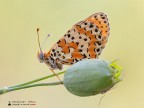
84	56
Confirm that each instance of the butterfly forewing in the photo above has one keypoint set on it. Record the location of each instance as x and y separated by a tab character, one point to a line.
86	39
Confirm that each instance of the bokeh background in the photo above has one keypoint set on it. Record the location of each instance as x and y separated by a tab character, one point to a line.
18	49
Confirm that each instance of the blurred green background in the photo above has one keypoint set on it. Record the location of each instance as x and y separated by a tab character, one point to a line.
18	49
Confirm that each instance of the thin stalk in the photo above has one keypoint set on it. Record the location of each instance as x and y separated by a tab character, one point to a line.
30	84
9	89
39	79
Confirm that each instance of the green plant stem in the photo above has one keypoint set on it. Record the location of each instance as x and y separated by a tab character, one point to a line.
9	89
39	79
30	84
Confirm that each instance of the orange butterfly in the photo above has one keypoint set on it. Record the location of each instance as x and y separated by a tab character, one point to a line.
85	40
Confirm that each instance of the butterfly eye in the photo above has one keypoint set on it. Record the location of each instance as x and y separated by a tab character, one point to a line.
41	57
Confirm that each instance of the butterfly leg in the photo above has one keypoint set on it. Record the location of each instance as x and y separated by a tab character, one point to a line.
56	75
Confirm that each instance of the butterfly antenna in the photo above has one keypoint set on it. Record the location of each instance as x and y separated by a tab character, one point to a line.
45	40
39	39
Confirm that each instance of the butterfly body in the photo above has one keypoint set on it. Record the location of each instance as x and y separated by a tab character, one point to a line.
85	40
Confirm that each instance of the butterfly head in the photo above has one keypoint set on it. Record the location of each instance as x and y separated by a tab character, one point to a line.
41	56
49	61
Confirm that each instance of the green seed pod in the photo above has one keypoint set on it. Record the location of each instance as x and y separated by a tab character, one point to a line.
91	77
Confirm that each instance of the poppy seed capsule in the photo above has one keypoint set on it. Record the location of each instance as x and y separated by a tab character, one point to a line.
92	76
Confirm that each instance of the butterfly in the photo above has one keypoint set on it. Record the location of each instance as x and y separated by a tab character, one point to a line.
85	40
